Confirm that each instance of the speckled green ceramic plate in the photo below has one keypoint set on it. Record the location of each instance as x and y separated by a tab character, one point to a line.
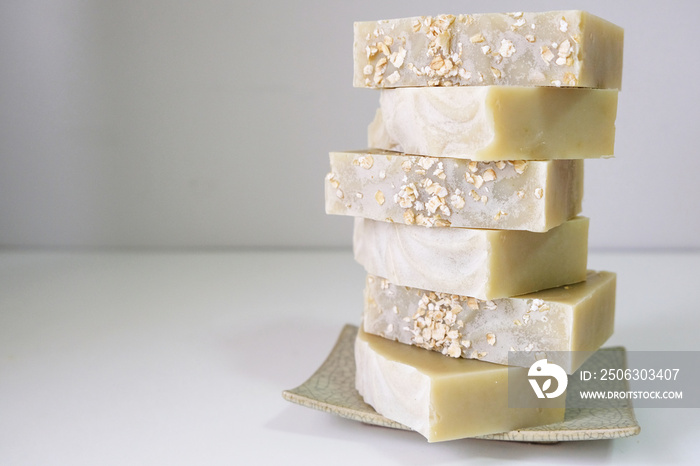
332	389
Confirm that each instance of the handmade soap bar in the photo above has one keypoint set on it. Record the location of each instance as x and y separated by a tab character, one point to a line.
483	264
555	48
444	398
427	191
563	324
496	122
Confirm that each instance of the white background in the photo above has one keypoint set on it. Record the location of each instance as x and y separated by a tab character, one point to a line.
180	359
153	123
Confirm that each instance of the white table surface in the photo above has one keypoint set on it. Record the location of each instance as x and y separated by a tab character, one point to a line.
181	358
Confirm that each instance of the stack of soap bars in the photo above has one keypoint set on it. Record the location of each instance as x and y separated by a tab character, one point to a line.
467	208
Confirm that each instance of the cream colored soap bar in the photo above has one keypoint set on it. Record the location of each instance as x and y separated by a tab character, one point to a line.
563	325
444	398
496	122
426	191
556	48
485	264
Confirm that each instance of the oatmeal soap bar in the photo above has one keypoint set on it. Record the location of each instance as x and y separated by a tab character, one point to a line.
443	398
484	264
496	122
555	48
563	324
427	191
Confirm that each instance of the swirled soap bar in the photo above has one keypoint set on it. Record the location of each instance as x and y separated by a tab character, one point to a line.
496	122
445	398
554	48
564	324
484	264
443	192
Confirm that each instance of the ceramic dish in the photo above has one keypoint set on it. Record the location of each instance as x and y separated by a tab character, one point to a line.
332	389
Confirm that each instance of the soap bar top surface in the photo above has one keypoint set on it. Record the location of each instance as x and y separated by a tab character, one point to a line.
563	324
443	398
555	48
484	264
496	122
443	192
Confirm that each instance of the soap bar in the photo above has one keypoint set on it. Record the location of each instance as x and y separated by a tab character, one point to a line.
428	191
484	264
564	325
444	398
555	48
496	122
